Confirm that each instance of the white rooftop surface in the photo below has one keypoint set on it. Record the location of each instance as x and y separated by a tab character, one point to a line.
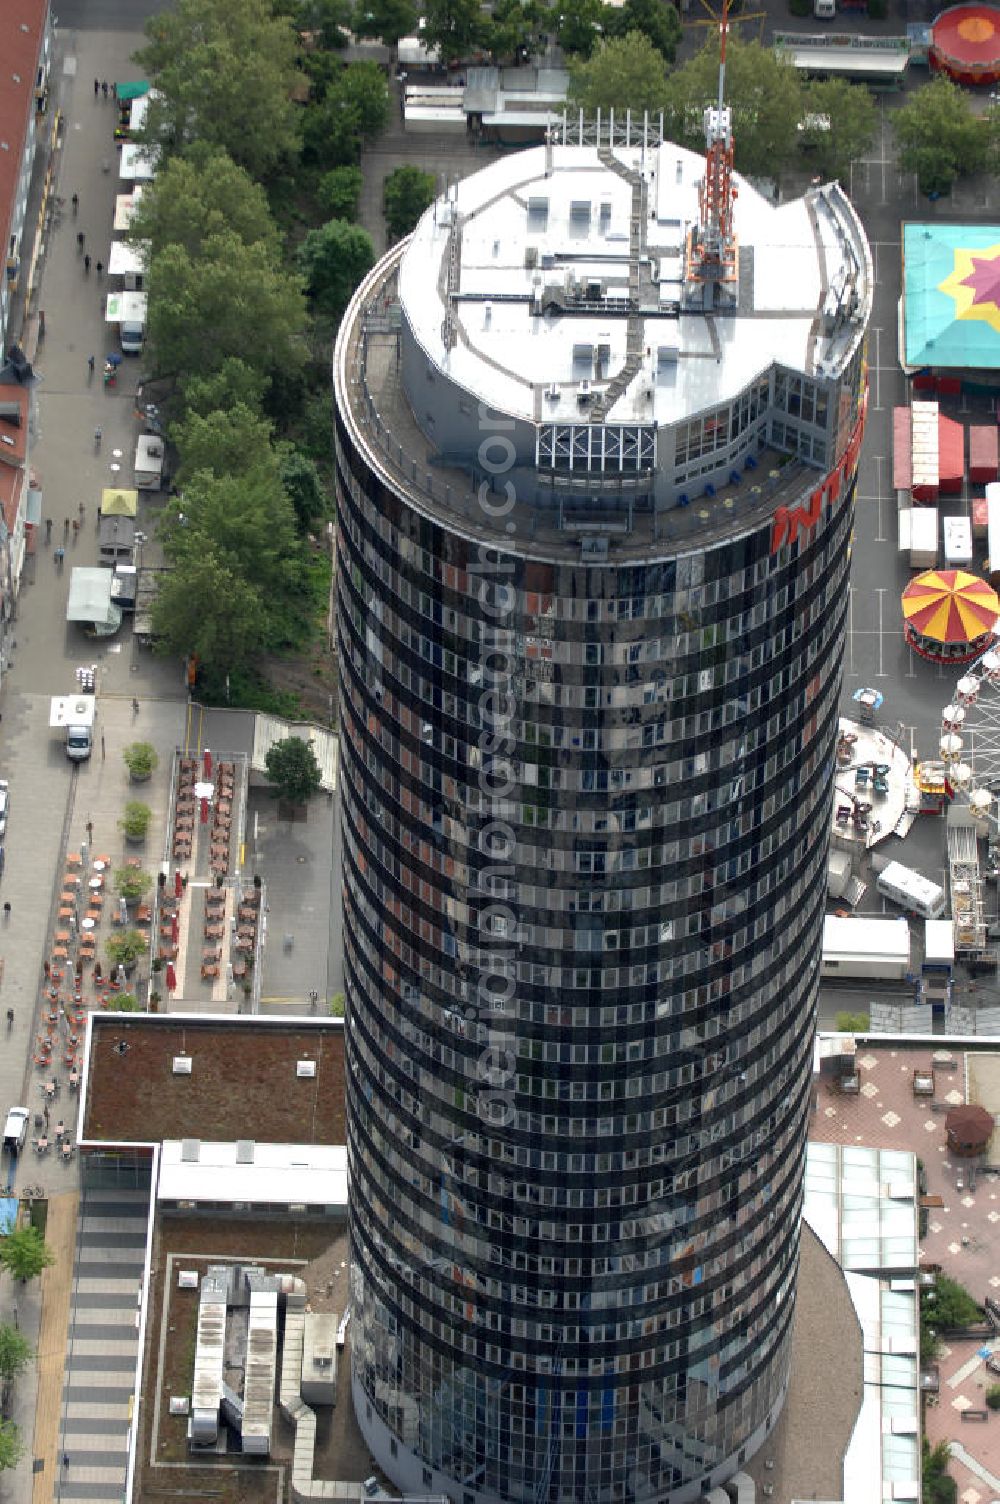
125	259
137	164
866	937
888	59
282	1174
125	207
503	355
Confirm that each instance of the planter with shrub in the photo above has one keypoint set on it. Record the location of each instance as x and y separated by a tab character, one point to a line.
134	823
125	949
141	760
131	883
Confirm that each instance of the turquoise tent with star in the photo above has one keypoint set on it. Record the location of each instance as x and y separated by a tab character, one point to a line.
951	297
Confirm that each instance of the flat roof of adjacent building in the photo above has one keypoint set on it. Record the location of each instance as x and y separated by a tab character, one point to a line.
253	1173
244	1080
564	222
951	287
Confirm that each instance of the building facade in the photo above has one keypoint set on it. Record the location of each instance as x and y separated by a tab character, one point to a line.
593	548
26	48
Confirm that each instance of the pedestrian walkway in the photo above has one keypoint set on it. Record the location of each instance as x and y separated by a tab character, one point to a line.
56	1286
103	1348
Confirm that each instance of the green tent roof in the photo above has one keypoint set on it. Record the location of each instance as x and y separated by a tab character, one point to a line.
132	90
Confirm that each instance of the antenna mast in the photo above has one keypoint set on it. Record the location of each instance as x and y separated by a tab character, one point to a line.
711	257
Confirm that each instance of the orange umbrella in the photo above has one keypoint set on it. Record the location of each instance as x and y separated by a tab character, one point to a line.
950	606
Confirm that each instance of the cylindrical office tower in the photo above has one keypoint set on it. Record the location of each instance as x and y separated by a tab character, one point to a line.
596	466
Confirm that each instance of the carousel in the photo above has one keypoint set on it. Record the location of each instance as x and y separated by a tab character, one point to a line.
949	616
965	44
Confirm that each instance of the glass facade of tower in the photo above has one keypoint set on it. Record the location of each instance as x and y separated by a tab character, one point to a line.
585	817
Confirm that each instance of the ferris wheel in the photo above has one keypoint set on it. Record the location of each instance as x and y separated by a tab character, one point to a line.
970	736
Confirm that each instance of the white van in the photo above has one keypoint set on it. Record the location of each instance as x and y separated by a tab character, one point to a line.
131	337
16	1129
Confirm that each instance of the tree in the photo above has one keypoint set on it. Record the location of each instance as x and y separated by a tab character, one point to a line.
622	73
246	519
209	609
765	95
513	29
232	302
234	383
227	442
993	1396
11	1445
292	768
353	107
839	125
226	75
388	20
301	479
581	24
16	1352
655	19
339	191
333	260
939	1487
24	1254
948	1306
199	195
938	136
328	21
455	26
406	193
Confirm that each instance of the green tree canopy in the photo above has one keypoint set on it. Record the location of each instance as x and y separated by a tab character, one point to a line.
11	1445
292	768
24	1253
655	19
333	260
224	442
245	518
388	20
232	384
765	95
939	136
513	24
353	107
201	194
226	73
456	26
231	302
581	25
209	609
622	73
301	479
16	1352
406	193
339	191
838	125
329	21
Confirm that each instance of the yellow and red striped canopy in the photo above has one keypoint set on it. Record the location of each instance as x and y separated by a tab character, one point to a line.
950	606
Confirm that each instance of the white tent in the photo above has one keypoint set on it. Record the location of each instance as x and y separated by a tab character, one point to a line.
90	601
127	260
136	164
125	308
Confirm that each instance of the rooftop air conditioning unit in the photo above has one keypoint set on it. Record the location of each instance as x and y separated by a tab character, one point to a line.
552	392
305	1068
584	393
182	1065
187	1279
531	255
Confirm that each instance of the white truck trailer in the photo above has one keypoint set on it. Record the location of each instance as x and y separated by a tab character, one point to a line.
923	537
74	716
957	542
872	949
911	890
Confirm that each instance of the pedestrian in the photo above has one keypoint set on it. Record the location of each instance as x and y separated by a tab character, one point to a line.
41	323
83	512
114	92
90	831
104	88
97	87
65	1459
80	238
75	201
48	528
6	910
76	529
65	527
59	555
98	267
90	365
86	264
45	1111
102	746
